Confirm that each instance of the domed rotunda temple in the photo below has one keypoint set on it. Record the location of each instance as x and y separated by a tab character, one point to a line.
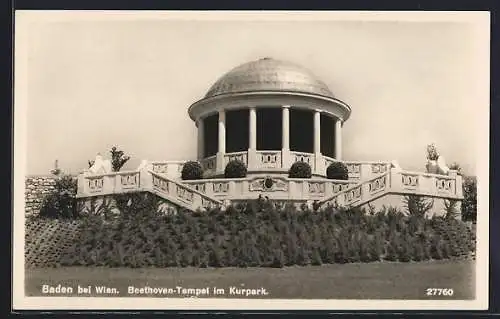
269	114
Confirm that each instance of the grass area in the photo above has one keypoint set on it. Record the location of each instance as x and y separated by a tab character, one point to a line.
382	280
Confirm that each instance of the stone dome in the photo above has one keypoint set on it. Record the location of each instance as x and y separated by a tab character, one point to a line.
269	75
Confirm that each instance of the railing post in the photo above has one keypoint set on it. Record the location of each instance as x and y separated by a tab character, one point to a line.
395	180
82	188
145	179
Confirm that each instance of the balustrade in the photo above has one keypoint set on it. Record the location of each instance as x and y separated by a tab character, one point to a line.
316	188
161	168
409	180
95	184
203	193
220	187
353	195
240	156
129	180
379	168
328	161
160	184
302	157
354	170
336	187
184	193
269	159
445	185
209	163
378	184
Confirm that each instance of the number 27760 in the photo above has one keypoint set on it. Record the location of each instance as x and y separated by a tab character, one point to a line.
439	292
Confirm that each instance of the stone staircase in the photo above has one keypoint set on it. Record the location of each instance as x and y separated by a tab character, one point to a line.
360	193
209	193
181	194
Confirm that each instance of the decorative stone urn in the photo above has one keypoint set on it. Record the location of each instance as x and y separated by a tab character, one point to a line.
432	167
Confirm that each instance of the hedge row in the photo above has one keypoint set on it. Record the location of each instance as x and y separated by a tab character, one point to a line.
257	234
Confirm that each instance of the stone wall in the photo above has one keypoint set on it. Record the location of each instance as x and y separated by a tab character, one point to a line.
37	187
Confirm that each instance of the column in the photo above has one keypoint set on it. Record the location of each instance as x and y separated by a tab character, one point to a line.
286	158
338	140
252	135
286	127
221	142
317	132
319	162
201	147
253	128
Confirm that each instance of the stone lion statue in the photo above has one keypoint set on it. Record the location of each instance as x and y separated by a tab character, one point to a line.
436	163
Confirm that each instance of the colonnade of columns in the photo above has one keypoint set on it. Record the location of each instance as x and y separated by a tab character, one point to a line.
285	135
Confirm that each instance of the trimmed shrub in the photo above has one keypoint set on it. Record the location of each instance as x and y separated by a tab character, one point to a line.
300	170
192	170
337	170
235	169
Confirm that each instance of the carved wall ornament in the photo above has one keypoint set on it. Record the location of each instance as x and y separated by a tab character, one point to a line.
268	184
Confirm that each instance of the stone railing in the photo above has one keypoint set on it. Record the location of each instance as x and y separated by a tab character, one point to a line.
269	159
209	192
398	182
241	156
180	193
360	192
144	180
172	169
303	157
366	170
428	184
274	187
209	164
111	183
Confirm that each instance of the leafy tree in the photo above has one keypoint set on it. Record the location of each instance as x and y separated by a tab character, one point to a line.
450	207
469	203
118	159
61	203
417	205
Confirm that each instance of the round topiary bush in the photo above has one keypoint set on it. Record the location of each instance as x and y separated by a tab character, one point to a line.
300	170
235	169
192	170
337	170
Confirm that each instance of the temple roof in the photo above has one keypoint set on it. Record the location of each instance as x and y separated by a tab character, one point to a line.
268	74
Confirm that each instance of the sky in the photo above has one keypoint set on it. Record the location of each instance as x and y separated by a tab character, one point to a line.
93	81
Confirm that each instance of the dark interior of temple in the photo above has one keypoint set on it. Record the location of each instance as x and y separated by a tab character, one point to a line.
269	131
